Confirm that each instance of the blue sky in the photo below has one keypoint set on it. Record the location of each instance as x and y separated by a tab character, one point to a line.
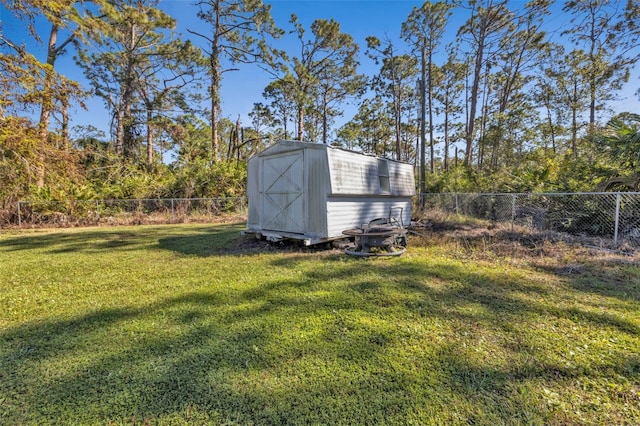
241	89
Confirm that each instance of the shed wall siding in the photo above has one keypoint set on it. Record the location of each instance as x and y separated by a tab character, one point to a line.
402	181
352	173
350	212
357	174
317	187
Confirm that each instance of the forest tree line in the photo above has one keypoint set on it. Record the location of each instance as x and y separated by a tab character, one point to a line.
502	106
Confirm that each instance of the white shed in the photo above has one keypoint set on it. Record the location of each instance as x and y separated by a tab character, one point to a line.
313	192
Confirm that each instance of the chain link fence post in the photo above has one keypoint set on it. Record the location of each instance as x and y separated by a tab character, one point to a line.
617	221
19	215
513	212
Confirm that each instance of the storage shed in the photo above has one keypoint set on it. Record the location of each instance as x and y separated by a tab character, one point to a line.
313	192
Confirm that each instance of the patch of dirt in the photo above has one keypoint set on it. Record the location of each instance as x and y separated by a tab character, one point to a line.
251	244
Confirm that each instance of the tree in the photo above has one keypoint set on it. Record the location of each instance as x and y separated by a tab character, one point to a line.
395	81
596	30
338	80
323	73
238	31
565	90
283	104
628	31
162	82
132	47
37	81
482	32
447	91
370	130
263	126
191	139
519	52
423	29
262	119
560	92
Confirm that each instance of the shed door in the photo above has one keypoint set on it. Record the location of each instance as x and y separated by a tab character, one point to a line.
282	195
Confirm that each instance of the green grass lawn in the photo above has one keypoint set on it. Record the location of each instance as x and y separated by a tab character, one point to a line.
189	324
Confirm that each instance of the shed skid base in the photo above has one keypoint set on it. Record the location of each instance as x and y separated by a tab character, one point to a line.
281	236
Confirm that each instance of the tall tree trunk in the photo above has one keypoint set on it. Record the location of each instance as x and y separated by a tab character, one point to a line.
126	142
119	130
574	121
47	106
324	119
455	159
65	123
470	128
574	133
300	123
398	147
239	139
446	139
215	96
149	140
496	136
423	120
215	84
130	150
284	126
232	137
593	39
236	140
552	131
430	98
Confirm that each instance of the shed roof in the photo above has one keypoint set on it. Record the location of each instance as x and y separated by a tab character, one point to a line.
286	145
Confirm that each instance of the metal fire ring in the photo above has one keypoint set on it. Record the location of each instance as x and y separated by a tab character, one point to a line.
376	236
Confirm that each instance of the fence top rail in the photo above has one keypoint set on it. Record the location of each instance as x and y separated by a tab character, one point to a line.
546	194
127	200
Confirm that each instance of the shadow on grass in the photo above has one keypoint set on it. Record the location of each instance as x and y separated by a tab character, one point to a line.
622	282
206	242
338	342
198	240
230	242
65	242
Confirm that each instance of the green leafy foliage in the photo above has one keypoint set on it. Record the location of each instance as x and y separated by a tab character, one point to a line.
202	179
17	158
21	153
622	138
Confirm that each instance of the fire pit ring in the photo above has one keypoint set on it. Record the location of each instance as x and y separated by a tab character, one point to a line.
386	238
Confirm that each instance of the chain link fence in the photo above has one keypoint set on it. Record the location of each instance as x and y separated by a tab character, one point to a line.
611	217
119	212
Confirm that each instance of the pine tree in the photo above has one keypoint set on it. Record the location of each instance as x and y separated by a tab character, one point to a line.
238	31
424	29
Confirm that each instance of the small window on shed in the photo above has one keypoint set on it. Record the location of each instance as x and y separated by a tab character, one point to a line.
383	176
